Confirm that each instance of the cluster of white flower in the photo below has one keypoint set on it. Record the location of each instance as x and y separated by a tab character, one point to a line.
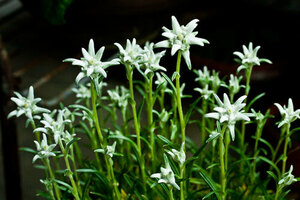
288	113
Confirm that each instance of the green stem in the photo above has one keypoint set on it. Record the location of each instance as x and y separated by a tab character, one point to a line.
56	189
178	96
95	113
171	192
285	148
75	170
203	125
278	191
181	119
137	127
69	173
110	171
150	119
257	137
37	133
222	165
247	90
227	142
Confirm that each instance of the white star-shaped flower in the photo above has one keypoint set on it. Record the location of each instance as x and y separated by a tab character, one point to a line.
288	113
180	38
166	176
178	156
287	178
108	150
150	60
249	57
131	55
27	106
91	64
205	92
43	150
230	113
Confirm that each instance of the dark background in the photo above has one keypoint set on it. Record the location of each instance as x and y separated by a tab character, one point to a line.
39	35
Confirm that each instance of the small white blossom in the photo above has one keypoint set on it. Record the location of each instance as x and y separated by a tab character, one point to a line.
55	127
288	113
205	92
83	91
119	97
215	81
214	135
230	113
203	76
249	57
288	178
180	38
91	64
43	150
166	176
178	156
131	55
27	106
108	150
150	60
160	80
258	115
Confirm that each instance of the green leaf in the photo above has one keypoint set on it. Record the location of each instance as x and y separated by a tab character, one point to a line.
207	195
273	176
190	110
86	129
70	143
270	163
209	182
169	81
29	150
126	139
254	100
140	108
80	107
86	171
175	74
64	184
165	140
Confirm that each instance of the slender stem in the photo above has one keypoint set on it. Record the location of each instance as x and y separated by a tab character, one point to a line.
222	165
37	133
257	137
137	127
181	119
56	189
171	192
203	125
75	169
69	174
247	90
150	119
285	148
278	191
95	113
227	142
178	95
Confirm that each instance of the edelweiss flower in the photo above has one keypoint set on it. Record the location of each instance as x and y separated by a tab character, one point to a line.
288	178
55	127
180	38
150	60
43	150
108	150
166	176
83	91
230	113
215	81
249	58
91	64
205	92
288	113
131	55
160	80
214	135
27	106
119	98
203	76
178	156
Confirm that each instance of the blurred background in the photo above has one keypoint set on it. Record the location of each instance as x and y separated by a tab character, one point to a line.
35	36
